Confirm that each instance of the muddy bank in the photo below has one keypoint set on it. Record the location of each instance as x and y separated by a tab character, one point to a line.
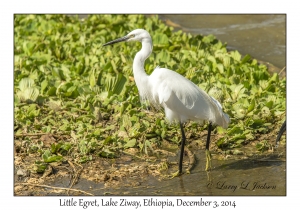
249	173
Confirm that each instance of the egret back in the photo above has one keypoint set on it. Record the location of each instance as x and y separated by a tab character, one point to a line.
182	99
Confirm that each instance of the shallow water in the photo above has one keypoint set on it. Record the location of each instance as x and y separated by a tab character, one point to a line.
261	36
260	175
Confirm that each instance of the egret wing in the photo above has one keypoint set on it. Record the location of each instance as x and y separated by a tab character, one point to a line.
183	100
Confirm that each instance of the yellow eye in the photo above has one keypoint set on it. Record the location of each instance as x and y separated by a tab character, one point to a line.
132	35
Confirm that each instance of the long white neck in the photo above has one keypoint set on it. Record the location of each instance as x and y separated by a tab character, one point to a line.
140	76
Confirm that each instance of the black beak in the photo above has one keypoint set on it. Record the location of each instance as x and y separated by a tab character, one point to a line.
122	39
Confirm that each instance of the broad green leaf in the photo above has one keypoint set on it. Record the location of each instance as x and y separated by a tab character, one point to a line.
130	143
236	55
53	158
26	83
44	85
162	56
160	39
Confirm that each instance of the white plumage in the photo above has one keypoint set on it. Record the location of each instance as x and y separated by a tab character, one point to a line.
181	99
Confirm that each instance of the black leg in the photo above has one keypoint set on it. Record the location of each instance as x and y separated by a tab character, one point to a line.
182	148
208	136
208	155
281	131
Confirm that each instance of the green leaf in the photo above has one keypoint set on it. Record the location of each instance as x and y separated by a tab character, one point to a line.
160	39
66	147
92	79
39	167
237	129
130	143
251	106
28	92
49	158
52	91
26	83
236	55
106	153
162	56
97	132
54	158
115	85
209	38
30	95
28	47
44	85
65	127
108	140
246	58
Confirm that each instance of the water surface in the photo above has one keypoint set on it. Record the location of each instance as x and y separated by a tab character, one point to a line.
261	36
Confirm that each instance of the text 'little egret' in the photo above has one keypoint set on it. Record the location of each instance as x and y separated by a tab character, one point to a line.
181	99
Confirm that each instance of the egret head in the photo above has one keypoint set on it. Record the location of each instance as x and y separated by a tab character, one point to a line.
135	35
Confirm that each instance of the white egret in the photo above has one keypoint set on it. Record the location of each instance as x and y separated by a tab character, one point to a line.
181	99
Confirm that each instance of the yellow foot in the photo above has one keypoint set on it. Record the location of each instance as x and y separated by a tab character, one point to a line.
177	173
208	160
